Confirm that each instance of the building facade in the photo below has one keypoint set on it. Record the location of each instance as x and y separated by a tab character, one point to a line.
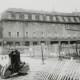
24	28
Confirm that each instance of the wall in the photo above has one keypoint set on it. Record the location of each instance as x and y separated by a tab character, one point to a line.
38	30
12	27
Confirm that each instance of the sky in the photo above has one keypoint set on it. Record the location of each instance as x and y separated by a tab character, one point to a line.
66	6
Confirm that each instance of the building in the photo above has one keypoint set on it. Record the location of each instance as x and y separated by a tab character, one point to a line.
23	27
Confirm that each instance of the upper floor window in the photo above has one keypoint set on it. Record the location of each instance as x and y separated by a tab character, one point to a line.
75	34
26	16
40	17
34	34
42	34
9	34
17	34
49	34
26	34
72	19
33	17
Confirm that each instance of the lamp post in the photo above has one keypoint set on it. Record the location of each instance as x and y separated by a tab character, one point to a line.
42	53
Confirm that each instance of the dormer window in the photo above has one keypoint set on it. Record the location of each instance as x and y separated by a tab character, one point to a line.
47	18
72	19
54	18
60	18
17	16
66	19
26	16
33	17
9	15
40	17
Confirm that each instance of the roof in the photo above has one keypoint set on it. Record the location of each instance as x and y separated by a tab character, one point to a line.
40	12
32	15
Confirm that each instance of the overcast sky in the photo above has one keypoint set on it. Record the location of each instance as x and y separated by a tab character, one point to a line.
45	5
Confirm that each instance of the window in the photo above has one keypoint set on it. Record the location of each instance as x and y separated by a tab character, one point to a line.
17	16
17	34
42	34
47	18
57	34
17	43
42	42
40	17
9	43
35	43
9	15
27	43
53	42
26	16
77	19
72	19
66	19
78	34
75	34
68	34
54	18
9	34
33	17
60	18
34	34
21	16
49	34
26	34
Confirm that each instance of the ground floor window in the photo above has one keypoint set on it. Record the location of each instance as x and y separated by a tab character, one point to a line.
53	42
27	43
17	43
9	43
72	42
64	42
35	43
43	42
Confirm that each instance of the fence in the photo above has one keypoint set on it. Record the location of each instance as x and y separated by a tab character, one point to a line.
35	51
68	49
48	50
